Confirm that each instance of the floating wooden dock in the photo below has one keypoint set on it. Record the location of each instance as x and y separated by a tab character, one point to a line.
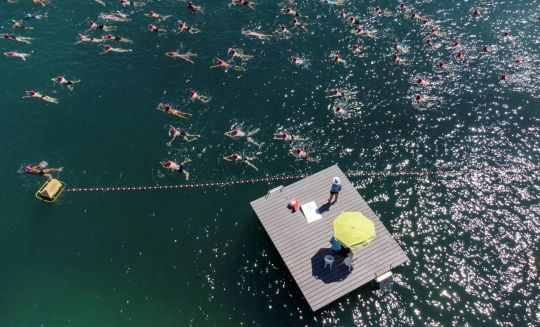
303	245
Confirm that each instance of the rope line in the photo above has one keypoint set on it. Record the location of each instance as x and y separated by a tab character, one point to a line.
269	179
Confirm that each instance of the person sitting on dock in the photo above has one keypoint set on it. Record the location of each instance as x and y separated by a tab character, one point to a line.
39	170
336	246
334	190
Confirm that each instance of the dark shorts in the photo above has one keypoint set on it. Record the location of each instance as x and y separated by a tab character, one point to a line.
334	192
181	169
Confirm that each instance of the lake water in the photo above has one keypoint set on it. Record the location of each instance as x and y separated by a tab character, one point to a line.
200	257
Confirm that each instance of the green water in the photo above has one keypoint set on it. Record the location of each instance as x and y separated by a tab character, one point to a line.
199	257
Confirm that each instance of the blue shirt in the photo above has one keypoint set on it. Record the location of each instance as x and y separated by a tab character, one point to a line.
335	244
336	187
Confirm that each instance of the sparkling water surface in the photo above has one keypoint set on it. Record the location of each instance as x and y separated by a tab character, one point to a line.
200	257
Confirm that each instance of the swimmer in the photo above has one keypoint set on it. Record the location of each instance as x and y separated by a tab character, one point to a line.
425	24
340	111
19	24
185	27
33	94
184	56
460	56
444	66
153	28
476	12
403	7
361	31
17	38
64	81
416	16
288	137
183	135
166	108
178	167
131	3
379	11
238	133
108	48
299	153
456	45
236	54
338	94
100	27
159	17
38	170
298	24
399	61
283	30
30	16
41	2
338	60
342	14
245	3
420	99
506	36
111	37
100	2
505	78
226	65
84	38
356	49
335	3
114	17
354	21
193	7
487	49
235	157
257	35
435	32
299	62
196	96
401	48
16	54
430	43
520	62
289	11
419	81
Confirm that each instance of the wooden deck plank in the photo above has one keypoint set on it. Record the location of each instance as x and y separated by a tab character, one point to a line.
303	246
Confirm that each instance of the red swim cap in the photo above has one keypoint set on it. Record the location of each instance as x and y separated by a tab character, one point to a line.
108	46
32	92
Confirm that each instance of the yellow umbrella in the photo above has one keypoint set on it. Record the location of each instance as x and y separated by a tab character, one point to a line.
353	229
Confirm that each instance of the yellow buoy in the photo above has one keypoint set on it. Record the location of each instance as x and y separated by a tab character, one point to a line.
50	191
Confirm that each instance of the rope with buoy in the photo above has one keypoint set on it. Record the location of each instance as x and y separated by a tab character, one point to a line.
282	178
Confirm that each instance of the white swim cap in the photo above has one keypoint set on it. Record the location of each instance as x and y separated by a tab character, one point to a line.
336	180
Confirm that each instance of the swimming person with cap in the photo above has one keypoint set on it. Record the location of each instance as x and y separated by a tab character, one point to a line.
184	56
300	154
166	108
240	55
416	16
354	21
41	2
115	17
336	93
334	190
227	66
34	94
30	16
506	37
476	12
108	48
194	95
399	61
505	78
363	32
238	133
297	23
435	31
430	43
289	11
334	3
84	38
456	45
39	170
283	31
17	38
100	27
236	157
379	11
245	3
157	16
443	66
299	62
184	27
356	49
131	3
400	48
183	135
153	28
62	80
257	35
111	37
17	54
19	24
191	6
341	112
177	167
339	60
288	137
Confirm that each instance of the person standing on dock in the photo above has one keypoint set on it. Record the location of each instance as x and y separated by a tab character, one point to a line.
334	190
